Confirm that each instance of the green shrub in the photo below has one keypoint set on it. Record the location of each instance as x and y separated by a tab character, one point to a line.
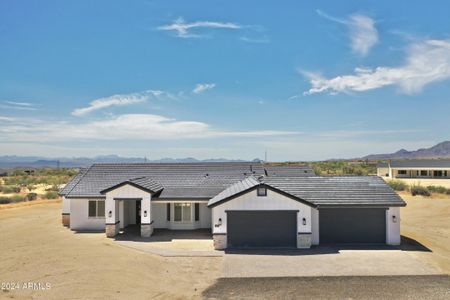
51	195
30	187
420	190
437	189
53	188
17	198
398	185
5	200
31	196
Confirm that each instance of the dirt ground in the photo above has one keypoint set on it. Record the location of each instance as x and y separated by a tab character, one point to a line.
427	220
36	248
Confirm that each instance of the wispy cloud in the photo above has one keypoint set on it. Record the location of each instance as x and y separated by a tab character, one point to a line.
262	40
184	29
4	118
362	30
426	62
123	127
201	87
19	105
120	100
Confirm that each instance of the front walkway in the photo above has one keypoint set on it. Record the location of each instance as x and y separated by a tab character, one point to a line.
170	243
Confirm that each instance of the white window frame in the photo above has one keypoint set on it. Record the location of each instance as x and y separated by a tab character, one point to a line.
97	216
182	212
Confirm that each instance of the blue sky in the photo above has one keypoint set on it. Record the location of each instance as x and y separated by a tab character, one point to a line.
206	79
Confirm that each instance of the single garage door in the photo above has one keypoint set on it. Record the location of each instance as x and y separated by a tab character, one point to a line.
262	228
352	225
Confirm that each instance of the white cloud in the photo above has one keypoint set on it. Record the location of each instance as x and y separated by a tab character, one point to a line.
426	62
120	100
262	40
4	118
123	127
183	29
362	30
19	105
201	87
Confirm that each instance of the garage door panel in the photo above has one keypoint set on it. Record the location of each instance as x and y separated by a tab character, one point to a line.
352	225
262	228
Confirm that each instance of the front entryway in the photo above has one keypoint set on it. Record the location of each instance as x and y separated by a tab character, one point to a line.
138	212
352	225
262	228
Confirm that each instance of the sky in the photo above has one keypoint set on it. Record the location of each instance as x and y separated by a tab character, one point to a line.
302	80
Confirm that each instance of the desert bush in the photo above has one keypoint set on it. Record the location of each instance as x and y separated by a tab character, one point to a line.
398	185
17	198
7	189
30	187
437	189
420	190
53	188
31	196
51	195
5	200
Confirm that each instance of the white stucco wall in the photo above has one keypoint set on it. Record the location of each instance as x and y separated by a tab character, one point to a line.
273	201
315	239
393	228
159	211
65	205
383	172
79	216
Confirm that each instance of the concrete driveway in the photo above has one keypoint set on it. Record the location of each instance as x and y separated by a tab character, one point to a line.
323	261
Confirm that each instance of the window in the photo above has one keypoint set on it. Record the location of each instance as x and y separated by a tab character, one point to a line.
182	212
401	172
197	211
262	191
168	211
423	173
445	174
437	173
96	209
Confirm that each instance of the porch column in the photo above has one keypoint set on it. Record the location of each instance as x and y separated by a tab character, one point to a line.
146	217
112	223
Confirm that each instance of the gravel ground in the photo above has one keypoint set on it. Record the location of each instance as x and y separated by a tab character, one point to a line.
353	287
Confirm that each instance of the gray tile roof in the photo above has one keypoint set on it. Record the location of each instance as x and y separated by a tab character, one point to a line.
144	183
420	163
290	171
71	184
187	180
324	191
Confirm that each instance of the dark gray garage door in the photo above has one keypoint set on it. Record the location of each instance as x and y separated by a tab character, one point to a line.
352	225
262	228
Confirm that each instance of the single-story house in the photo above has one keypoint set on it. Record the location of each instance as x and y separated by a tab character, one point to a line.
244	204
415	168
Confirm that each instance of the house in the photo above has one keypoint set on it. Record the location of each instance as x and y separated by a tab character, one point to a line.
244	204
417	171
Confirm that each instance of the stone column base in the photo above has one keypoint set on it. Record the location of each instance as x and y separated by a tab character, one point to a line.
66	219
112	229
303	240
220	241
146	230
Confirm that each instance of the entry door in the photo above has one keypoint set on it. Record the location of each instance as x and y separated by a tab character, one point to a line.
138	212
262	228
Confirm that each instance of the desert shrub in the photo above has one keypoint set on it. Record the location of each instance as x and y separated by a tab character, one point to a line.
437	189
420	190
31	196
7	189
398	185
51	195
53	188
30	187
448	192
17	198
5	200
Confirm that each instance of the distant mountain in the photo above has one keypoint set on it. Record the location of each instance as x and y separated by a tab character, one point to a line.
441	150
14	161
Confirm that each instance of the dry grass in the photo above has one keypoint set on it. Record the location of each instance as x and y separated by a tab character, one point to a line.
29	203
427	220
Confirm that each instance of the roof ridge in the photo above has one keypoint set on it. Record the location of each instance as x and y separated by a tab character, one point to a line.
81	177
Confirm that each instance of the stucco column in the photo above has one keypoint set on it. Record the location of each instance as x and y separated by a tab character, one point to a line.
146	217
112	223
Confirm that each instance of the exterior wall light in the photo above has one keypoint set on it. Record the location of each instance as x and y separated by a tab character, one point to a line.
145	213
394	219
304	221
110	214
219	223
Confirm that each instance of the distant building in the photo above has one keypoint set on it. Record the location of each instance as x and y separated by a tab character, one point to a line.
417	169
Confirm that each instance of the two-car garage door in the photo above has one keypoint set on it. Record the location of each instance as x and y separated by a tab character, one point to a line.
352	225
262	228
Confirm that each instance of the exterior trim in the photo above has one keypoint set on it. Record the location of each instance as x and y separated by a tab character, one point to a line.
256	210
65	214
220	233
147	223
129	199
343	206
125	183
269	188
304	233
113	223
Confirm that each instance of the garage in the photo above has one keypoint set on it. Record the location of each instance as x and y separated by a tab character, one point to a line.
352	225
262	228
